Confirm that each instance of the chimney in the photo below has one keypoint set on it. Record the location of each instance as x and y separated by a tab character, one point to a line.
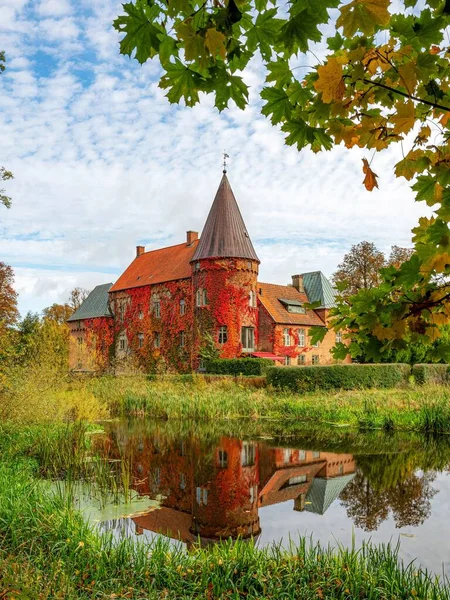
297	282
140	250
191	236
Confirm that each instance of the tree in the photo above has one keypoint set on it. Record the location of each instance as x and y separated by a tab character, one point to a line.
383	80
8	297
59	313
4	173
77	296
360	269
398	256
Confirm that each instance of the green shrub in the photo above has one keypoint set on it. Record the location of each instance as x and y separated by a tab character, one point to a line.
238	366
345	377
431	373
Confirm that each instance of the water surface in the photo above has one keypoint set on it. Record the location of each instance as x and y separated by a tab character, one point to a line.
274	483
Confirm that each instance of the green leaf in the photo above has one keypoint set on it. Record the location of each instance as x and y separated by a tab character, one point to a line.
317	334
424	188
277	106
263	34
303	135
181	82
279	72
140	34
298	32
335	43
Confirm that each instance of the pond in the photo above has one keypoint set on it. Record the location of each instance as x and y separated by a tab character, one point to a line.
194	481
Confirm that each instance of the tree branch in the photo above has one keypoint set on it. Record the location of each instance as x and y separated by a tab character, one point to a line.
406	95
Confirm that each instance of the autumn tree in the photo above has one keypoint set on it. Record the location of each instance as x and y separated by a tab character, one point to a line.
398	256
59	313
382	79
77	296
360	269
8	297
4	173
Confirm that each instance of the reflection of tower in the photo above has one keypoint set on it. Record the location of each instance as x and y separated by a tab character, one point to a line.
226	501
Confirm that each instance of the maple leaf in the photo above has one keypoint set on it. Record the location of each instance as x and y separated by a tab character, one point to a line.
277	105
182	82
141	35
408	74
363	15
370	179
194	45
330	81
215	42
404	117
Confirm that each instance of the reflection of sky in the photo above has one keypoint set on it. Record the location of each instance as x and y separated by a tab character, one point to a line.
430	543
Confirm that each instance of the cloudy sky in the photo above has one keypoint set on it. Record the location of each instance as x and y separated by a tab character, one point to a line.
103	162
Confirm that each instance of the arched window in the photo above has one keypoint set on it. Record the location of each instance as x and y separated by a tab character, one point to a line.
182	307
204	298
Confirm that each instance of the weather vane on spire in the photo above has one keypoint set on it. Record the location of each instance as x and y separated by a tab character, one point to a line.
225	156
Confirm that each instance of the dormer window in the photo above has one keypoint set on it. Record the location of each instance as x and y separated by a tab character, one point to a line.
293	306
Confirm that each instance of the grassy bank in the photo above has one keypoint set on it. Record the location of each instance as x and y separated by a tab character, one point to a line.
415	408
48	551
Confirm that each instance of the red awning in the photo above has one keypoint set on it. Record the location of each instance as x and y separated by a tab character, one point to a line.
267	355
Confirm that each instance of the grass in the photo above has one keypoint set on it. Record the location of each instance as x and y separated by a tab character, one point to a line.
48	551
414	408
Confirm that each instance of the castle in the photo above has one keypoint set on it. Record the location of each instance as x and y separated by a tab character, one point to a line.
169	302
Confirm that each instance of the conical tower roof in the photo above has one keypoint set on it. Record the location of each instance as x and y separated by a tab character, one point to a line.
224	234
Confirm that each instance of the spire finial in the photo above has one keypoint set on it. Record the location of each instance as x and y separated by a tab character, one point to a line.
225	156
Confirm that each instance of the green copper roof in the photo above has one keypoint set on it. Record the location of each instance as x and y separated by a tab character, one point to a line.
95	305
319	289
323	492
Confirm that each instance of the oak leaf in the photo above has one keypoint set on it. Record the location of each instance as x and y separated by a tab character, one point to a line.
330	81
370	179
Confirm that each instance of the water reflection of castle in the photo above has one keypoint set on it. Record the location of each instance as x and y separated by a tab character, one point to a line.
217	492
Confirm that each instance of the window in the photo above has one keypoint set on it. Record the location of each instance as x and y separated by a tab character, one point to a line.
253	493
301	455
140	340
182	307
201	496
286	455
80	341
223	334
248	454
204	298
197	266
121	309
141	315
156	339
301	359
315	359
248	339
222	458
287	361
182	481
286	337
122	343
252	298
293	308
297	479
157	309
182	339
338	337
316	454
198	298
301	338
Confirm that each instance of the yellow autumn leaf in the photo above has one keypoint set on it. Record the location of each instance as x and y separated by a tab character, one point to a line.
330	81
438	263
408	76
363	15
370	179
378	58
439	318
404	117
215	42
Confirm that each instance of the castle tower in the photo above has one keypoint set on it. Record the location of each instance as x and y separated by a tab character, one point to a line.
224	273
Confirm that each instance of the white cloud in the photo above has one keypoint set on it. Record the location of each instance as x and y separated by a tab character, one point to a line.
54	8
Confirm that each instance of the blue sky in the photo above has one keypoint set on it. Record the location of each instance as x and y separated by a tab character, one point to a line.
103	162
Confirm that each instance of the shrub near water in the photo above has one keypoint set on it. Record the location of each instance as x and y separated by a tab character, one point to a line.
345	377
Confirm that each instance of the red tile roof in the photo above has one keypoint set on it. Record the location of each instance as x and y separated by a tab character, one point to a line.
269	294
157	266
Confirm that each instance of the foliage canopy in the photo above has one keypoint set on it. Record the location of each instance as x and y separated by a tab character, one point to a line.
383	80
